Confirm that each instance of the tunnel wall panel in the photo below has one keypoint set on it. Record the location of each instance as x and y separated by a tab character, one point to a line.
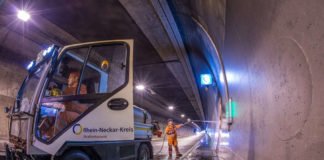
274	49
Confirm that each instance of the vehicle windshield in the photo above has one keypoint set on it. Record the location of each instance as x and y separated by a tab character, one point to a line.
28	88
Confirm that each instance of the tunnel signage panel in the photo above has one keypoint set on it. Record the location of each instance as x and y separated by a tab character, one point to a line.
206	79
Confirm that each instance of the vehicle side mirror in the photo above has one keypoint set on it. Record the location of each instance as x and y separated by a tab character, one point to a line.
6	109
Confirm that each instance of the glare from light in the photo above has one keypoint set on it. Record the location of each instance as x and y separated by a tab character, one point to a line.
171	108
23	15
140	87
223	135
30	65
206	79
224	143
48	50
230	77
188	119
199	132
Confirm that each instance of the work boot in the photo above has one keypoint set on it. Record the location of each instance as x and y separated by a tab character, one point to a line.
177	151
179	155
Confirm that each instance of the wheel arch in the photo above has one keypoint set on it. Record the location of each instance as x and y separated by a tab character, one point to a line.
149	146
89	150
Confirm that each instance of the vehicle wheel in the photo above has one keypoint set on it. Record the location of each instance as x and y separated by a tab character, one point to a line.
76	155
143	152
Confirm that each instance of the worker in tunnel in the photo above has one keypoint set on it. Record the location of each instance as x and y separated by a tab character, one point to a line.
73	84
72	108
171	133
69	110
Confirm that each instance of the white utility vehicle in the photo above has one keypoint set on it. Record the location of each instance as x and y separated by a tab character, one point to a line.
77	104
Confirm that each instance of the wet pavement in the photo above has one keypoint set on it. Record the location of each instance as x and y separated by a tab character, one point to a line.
206	150
198	147
185	144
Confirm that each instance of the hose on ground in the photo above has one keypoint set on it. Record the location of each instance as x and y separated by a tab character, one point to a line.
162	145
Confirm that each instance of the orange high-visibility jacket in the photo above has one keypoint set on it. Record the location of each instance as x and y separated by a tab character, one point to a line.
171	132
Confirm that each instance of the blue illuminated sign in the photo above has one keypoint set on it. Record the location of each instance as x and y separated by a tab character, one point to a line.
206	79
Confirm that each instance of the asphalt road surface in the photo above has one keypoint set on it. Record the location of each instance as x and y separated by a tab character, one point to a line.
197	147
185	145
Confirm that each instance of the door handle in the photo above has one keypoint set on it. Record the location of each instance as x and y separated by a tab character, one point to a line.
118	104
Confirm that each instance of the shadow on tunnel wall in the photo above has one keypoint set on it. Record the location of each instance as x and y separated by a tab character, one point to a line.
194	20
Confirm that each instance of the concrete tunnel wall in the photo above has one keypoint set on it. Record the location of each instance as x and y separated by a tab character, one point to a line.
274	50
273	56
9	84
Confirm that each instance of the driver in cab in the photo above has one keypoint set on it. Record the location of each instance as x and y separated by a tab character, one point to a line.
68	110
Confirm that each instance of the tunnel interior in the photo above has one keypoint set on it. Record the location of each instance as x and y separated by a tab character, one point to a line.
264	58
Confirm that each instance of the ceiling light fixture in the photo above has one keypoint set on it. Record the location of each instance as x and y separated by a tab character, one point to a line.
23	15
140	87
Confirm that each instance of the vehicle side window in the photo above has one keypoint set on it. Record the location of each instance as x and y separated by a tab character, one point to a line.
55	115
106	69
80	74
66	76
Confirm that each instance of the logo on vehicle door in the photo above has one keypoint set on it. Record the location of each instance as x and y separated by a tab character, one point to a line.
77	129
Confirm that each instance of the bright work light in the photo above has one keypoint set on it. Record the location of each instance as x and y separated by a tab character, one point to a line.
48	50
23	15
30	65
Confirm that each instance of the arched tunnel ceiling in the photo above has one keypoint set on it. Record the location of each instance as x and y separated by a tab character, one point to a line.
88	21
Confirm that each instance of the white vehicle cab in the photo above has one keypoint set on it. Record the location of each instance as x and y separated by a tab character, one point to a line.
77	103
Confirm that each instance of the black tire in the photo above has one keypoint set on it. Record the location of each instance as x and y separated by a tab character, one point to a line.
76	155
143	152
